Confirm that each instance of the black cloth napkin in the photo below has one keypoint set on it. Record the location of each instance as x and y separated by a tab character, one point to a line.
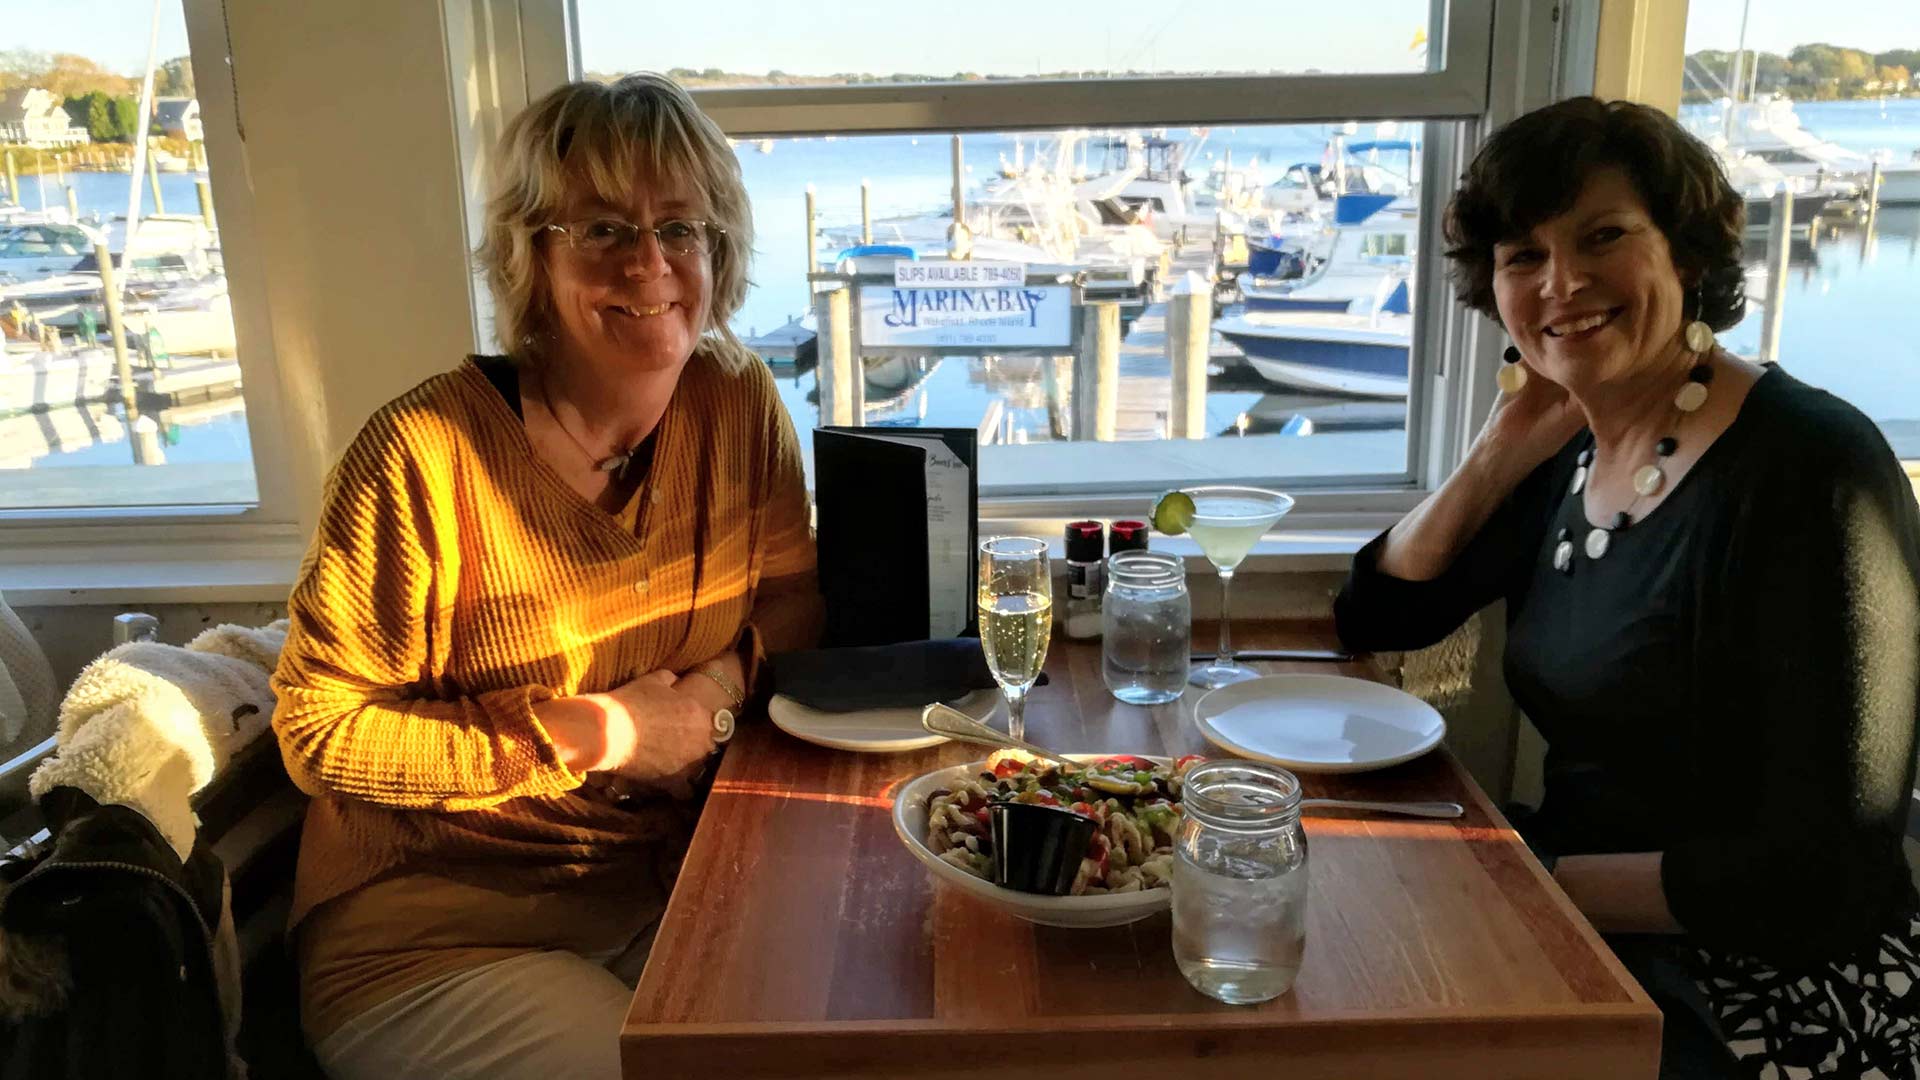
884	676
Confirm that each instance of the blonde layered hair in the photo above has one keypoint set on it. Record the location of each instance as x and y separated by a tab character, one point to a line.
599	135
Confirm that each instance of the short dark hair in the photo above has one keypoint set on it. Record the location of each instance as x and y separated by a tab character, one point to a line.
1532	170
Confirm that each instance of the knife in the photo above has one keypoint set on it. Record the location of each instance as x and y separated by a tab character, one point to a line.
1330	655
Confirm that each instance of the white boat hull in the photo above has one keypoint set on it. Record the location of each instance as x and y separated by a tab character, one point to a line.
1303	376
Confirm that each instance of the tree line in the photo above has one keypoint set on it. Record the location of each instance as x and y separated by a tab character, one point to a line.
1808	73
106	104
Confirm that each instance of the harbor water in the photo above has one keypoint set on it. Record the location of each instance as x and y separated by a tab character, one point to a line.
1851	324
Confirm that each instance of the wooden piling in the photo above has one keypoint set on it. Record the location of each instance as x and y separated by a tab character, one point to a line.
866	211
842	386
959	184
813	252
1779	240
1057	374
205	194
1873	196
13	181
959	237
73	206
1096	374
1189	336
110	293
153	183
144	434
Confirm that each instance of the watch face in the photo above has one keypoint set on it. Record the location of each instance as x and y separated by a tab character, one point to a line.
722	726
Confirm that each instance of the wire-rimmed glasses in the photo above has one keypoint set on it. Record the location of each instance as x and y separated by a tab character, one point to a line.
612	238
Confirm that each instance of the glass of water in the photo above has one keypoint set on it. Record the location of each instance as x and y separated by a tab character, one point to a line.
1240	882
1146	627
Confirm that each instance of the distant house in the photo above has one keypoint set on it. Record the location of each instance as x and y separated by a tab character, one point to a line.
35	117
179	117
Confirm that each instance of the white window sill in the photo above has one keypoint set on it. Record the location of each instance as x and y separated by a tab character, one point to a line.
157	563
264	573
248	580
1301	550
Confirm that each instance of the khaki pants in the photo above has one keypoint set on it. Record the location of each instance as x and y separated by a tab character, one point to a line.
549	1015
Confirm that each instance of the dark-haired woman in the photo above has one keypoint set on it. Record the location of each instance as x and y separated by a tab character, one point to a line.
1712	577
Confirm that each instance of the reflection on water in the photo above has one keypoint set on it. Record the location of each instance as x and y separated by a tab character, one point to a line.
1849	323
96	433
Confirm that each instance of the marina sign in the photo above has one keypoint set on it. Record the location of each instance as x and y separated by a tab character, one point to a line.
1005	317
908	274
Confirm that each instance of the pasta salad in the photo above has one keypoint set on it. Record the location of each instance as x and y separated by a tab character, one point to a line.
1134	802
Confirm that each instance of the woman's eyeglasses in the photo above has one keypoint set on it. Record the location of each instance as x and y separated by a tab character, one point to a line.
611	238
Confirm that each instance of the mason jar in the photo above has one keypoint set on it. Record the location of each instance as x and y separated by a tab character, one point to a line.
1240	882
1146	621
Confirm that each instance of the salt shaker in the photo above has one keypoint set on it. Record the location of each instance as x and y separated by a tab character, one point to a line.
1086	541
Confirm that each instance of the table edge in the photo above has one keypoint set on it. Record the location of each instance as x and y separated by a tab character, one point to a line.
1604	1013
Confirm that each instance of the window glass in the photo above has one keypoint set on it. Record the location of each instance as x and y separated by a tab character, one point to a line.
1784	110
1308	297
864	42
160	420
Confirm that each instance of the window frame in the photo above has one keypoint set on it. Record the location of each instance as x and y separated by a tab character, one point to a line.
1460	93
1456	352
268	527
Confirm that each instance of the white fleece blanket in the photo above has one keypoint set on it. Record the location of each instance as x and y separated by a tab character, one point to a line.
148	725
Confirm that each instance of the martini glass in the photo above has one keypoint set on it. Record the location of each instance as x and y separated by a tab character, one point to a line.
1227	522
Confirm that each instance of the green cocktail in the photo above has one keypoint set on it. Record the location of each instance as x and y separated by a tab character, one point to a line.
1227	522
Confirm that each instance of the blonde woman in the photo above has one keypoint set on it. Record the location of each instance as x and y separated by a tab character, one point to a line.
540	585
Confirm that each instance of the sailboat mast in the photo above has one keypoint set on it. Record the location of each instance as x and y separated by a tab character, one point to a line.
1739	55
143	122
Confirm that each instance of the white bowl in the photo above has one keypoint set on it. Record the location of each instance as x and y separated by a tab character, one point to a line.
1110	909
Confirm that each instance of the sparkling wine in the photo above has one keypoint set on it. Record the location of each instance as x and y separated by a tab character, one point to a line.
1014	631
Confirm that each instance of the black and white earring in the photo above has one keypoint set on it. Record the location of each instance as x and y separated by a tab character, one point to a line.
1699	335
1513	374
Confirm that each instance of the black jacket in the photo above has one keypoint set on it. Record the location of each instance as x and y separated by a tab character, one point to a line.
133	927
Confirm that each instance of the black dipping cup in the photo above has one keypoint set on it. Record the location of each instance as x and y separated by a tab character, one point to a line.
1037	848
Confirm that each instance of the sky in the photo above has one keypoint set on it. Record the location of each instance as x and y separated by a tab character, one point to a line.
1776	26
995	36
1005	37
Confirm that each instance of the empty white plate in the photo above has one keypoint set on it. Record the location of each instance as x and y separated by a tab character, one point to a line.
1319	723
871	731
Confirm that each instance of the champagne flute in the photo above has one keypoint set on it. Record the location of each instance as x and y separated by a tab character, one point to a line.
1016	618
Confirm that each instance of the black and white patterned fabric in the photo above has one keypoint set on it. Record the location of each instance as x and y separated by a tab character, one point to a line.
1858	1019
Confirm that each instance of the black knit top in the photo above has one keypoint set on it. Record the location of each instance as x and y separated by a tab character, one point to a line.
1736	683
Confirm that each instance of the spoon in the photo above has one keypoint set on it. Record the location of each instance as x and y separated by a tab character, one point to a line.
954	724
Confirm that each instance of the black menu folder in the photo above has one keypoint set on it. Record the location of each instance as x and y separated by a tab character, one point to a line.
897	527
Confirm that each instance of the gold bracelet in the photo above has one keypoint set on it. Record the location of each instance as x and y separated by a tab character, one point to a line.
726	685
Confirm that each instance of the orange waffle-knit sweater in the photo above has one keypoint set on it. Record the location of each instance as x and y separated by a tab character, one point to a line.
454	582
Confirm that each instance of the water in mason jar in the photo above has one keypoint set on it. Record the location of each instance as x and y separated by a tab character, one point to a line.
1145	647
1238	936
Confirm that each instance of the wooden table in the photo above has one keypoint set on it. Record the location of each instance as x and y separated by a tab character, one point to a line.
803	940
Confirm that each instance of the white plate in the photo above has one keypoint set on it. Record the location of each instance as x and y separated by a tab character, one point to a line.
872	731
1111	909
1319	723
